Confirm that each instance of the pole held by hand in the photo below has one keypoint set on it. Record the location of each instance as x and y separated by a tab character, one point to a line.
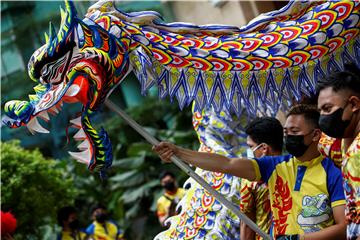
188	170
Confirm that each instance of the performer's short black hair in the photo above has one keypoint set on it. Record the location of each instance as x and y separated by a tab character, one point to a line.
64	213
348	79
97	206
266	130
310	113
166	173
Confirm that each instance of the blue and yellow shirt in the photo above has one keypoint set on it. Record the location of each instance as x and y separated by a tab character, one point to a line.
164	202
107	231
302	194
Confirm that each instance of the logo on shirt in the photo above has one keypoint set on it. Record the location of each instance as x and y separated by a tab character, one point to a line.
315	210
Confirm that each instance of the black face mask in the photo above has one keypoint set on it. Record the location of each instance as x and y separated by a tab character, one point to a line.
74	224
170	186
333	125
101	217
295	145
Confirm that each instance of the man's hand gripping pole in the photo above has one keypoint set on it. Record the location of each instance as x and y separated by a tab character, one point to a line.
187	169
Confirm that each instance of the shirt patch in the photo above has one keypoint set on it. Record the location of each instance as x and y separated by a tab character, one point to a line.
315	210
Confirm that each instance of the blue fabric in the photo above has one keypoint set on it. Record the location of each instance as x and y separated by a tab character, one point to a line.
90	229
299	177
334	180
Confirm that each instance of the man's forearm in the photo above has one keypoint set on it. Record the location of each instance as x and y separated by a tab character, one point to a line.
335	232
208	161
245	231
218	163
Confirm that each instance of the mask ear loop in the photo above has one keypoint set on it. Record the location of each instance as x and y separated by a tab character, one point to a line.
257	147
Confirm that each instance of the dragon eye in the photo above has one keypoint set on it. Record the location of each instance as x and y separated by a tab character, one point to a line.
43	71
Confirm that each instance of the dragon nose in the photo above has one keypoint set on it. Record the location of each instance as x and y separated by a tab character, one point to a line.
18	110
6	121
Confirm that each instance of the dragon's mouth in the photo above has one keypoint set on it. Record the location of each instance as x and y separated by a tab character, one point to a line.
28	113
77	92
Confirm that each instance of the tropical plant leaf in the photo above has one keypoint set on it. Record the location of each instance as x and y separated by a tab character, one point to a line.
132	211
129	163
138	149
128	179
132	195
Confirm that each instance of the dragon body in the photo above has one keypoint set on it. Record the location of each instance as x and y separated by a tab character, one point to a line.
255	69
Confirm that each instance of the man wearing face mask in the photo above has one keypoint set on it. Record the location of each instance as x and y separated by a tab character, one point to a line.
166	204
264	138
307	201
102	227
339	104
67	219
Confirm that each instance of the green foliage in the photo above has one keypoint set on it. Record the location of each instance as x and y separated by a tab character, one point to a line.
33	188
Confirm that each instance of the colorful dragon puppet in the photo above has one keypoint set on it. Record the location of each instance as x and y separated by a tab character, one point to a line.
260	67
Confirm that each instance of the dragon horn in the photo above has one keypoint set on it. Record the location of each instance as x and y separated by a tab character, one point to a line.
52	32
51	45
46	38
63	15
67	17
70	8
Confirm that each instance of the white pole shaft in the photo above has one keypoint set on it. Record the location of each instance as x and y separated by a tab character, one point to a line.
187	169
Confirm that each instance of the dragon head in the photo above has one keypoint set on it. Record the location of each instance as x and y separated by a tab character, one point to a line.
81	63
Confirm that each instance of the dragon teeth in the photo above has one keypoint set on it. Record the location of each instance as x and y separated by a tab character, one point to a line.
34	126
76	121
44	115
80	135
83	157
84	145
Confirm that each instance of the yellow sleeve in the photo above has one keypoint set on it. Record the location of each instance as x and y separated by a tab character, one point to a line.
82	235
338	203
161	210
181	193
257	170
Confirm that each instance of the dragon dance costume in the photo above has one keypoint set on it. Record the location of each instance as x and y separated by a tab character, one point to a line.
225	70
